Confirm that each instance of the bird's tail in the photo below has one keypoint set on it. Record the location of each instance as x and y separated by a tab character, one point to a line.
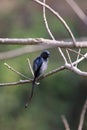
31	95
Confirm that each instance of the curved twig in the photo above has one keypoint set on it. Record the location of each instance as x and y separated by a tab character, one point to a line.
65	122
82	116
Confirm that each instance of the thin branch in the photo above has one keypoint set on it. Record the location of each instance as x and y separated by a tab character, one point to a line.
77	10
63	55
30	80
69	56
12	69
78	55
80	59
60	18
82	116
16	83
64	120
49	31
30	67
46	23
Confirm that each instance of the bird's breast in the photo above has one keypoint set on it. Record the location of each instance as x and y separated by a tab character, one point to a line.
43	67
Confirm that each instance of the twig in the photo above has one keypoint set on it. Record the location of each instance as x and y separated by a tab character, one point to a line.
82	116
49	31
80	59
78	55
76	52
65	60
12	69
65	122
69	56
15	83
46	23
30	67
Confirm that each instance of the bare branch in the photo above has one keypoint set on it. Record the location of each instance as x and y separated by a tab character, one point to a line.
41	41
15	83
20	41
77	10
12	69
30	80
49	31
23	50
65	122
78	55
76	52
46	23
79	60
75	70
82	116
62	55
30	67
69	56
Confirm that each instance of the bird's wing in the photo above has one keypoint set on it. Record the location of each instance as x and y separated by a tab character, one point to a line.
36	65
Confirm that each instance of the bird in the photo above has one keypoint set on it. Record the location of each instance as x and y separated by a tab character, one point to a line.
39	67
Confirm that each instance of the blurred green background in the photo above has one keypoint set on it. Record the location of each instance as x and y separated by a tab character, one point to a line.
62	93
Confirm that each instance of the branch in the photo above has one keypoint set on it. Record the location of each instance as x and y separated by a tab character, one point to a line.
79	60
82	116
65	123
46	23
49	31
16	83
75	70
30	80
42	41
30	67
42	44
67	66
12	69
77	10
80	127
23	50
78	55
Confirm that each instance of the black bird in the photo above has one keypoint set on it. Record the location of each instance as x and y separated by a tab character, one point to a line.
39	67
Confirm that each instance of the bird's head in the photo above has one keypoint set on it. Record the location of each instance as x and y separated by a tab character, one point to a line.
45	54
